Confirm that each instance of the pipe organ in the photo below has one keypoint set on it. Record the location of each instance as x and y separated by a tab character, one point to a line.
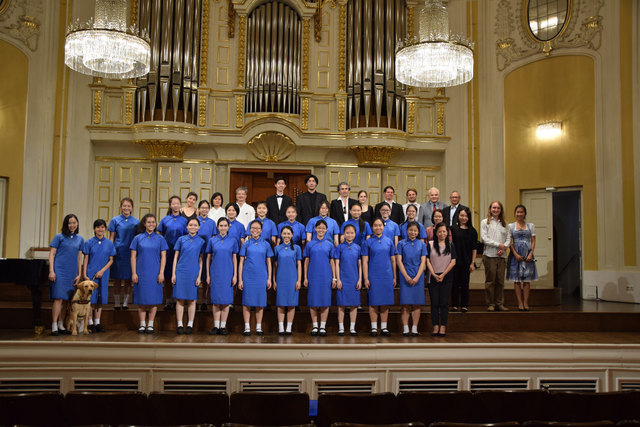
272	76
374	98
169	91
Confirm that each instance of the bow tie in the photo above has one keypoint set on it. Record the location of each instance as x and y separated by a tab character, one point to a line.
279	197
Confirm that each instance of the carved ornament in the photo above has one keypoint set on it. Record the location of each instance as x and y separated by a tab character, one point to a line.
271	146
162	149
374	155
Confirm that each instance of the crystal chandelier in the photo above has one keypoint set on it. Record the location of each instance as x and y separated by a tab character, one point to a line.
437	59
104	47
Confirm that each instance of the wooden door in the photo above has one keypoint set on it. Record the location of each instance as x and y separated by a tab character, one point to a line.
260	183
539	205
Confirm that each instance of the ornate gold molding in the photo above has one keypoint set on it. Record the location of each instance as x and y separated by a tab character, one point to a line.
342	53
97	106
163	149
271	146
440	99
342	106
374	155
241	41
231	18
305	54
317	23
134	12
304	120
410	22
128	107
239	110
203	95
411	116
204	44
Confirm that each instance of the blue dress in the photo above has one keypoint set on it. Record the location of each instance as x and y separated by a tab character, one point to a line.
172	227
391	229
332	227
412	252
287	257
221	268
422	234
65	264
521	271
208	228
299	231
360	237
237	231
269	229
380	250
187	268
319	274
254	271
125	229
99	252
348	254
148	249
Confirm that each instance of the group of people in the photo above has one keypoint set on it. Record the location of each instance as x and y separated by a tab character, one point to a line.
343	245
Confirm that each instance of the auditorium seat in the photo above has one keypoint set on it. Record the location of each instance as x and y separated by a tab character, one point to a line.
429	407
248	425
37	409
83	408
450	424
584	407
377	408
518	405
188	408
377	425
601	423
269	409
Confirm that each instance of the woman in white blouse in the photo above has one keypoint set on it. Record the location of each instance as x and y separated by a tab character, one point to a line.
217	210
496	238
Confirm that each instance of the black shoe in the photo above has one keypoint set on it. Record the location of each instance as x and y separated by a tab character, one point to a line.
214	331
453	309
406	334
91	328
55	333
188	330
259	332
167	307
442	334
322	332
385	332
353	333
288	333
180	330
116	307
150	330
340	333
100	328
142	329
314	332
415	334
464	309
203	307
64	332
223	331
374	333
281	333
246	333
125	307
434	334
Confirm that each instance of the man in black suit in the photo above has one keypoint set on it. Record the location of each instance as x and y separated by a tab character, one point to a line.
309	201
397	214
279	202
341	207
450	213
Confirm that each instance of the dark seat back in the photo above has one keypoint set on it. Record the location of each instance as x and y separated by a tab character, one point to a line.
83	408
269	409
583	406
188	408
521	405
428	407
377	408
36	409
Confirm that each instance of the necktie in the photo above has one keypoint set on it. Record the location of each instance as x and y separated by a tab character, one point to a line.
434	207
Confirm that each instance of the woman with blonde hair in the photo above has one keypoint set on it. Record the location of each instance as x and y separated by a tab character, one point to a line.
496	238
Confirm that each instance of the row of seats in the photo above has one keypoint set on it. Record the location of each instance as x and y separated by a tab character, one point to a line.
288	409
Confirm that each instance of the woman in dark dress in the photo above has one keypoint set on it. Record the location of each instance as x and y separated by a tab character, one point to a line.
367	211
465	240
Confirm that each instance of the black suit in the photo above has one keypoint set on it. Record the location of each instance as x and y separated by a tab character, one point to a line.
446	215
397	213
278	215
336	211
305	210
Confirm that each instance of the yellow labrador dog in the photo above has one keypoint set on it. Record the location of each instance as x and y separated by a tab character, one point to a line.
80	306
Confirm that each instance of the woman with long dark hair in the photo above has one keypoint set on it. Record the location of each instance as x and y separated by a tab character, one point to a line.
442	258
521	262
465	240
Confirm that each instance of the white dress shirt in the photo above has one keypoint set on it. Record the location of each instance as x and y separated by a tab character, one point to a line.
492	234
246	215
216	214
345	207
452	212
406	205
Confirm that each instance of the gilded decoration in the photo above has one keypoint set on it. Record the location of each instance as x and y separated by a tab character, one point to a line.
514	40
342	53
440	99
128	107
271	146
305	54
203	95
317	23
134	12
304	121
342	105
204	44
20	20
97	106
162	149
374	156
410	22
241	42
239	110
231	16
411	116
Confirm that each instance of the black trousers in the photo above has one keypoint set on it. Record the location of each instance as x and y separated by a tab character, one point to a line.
439	293
460	288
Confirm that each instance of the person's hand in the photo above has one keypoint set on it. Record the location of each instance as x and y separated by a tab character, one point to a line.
339	284
439	278
52	276
530	257
134	278
298	284
395	282
173	279
160	279
208	280
198	282
472	267
240	285
98	275
367	283
500	252
234	280
269	284
502	247
86	278
306	283
76	279
359	285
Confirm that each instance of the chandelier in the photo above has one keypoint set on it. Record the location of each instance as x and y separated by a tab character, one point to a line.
104	47
437	59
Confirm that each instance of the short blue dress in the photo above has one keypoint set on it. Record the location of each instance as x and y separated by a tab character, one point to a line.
422	234
125	229
287	257
269	229
187	268
521	271
332	227
412	252
379	250
237	231
299	231
148	247
99	252
319	275
172	227
391	230
65	264
254	271
207	229
348	254
360	236
221	268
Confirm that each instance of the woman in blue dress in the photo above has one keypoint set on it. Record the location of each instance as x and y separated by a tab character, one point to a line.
319	277
379	274
65	261
172	226
349	277
236	229
521	264
299	231
207	230
186	274
269	228
254	276
122	229
148	258
222	276
287	279
333	230
391	229
363	229
412	261
412	213
98	257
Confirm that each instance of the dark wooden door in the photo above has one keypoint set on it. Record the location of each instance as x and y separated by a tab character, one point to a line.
260	183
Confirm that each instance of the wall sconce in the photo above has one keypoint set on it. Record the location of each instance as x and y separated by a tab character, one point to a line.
549	130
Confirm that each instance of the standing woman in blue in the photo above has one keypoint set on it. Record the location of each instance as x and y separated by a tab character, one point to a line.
122	229
412	261
222	275
186	273
254	276
299	231
148	258
391	229
65	261
98	257
333	230
319	277
287	279
171	227
207	230
412	213
441	260
362	228
349	277
269	228
379	273
236	229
